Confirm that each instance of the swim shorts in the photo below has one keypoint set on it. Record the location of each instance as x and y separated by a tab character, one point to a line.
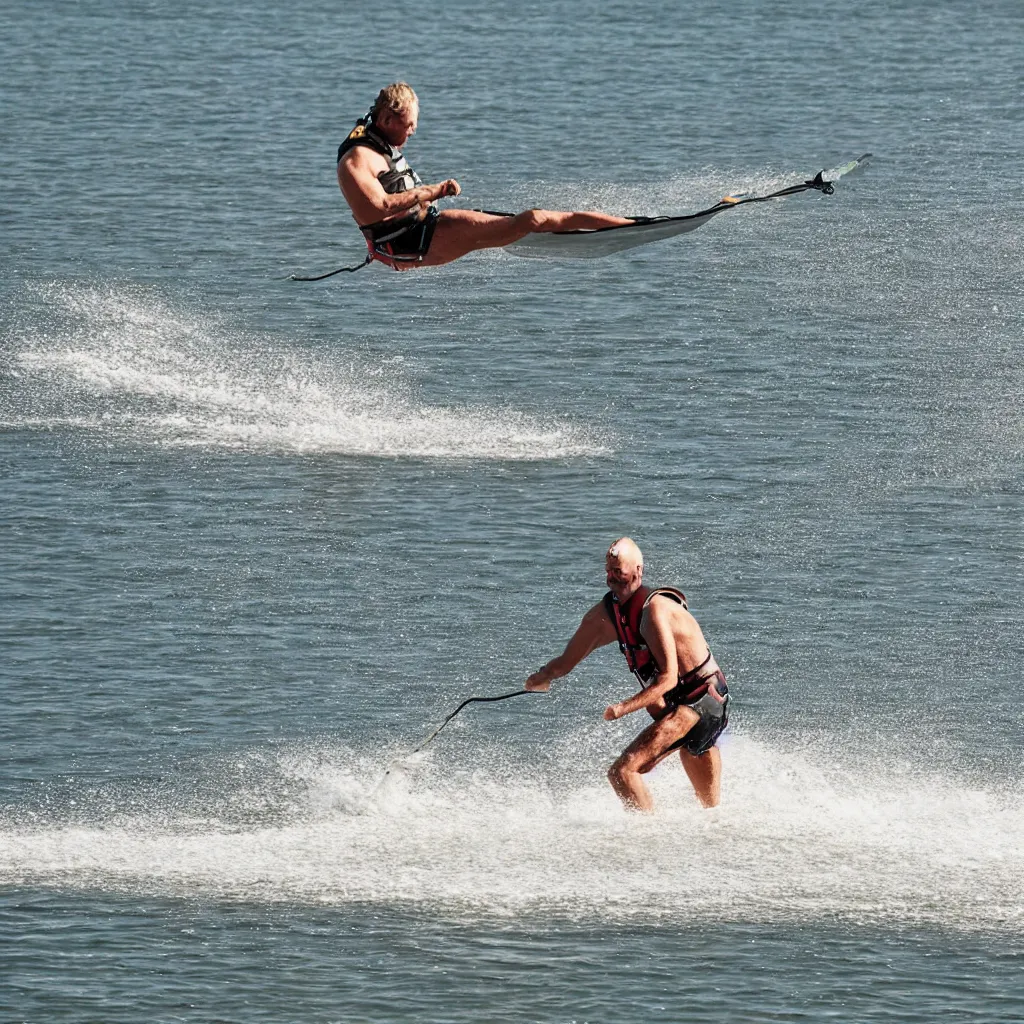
402	241
713	709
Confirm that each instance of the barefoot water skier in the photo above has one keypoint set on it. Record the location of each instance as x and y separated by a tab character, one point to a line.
682	687
395	211
403	228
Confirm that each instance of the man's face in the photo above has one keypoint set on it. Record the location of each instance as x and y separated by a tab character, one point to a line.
623	577
399	125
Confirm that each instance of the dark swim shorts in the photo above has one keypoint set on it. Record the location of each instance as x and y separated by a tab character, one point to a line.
713	709
403	240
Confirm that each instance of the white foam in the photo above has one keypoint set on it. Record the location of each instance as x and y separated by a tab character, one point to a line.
794	840
128	364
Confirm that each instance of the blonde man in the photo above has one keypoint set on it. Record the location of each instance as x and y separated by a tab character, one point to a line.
395	210
681	685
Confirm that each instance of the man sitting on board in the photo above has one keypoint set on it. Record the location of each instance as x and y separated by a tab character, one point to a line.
682	687
395	211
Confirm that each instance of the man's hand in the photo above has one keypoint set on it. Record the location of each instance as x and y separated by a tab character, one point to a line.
449	188
612	712
539	682
594	631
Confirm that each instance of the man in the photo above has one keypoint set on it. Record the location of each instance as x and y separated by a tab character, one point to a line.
682	687
395	210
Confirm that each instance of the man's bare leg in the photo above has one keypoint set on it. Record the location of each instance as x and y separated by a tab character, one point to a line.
630	789
459	232
644	753
705	774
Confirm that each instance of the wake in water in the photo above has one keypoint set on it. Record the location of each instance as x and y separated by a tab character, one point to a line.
124	364
797	838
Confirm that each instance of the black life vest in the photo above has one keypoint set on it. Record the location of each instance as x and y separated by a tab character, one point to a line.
626	618
399	177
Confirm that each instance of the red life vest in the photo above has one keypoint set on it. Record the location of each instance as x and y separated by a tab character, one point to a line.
626	619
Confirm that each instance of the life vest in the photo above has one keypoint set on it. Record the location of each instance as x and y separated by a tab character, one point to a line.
626	618
399	177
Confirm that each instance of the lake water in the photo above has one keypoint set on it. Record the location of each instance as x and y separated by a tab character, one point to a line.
259	537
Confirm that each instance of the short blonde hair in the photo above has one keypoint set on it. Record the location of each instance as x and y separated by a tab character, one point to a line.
394	99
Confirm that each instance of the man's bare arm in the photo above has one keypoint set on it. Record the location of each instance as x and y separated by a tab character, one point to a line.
594	631
357	176
657	631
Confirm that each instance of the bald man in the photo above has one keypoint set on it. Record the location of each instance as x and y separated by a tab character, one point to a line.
395	211
681	685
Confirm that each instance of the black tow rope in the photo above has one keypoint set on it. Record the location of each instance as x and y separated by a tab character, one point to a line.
331	273
470	700
817	183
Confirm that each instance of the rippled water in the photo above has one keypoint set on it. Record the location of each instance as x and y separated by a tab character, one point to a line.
260	537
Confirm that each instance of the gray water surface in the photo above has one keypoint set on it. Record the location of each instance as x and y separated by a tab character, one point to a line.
258	537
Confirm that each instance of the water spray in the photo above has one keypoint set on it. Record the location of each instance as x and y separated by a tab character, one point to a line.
430	738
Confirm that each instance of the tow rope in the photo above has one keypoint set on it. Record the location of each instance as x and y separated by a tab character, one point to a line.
331	273
470	700
817	182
